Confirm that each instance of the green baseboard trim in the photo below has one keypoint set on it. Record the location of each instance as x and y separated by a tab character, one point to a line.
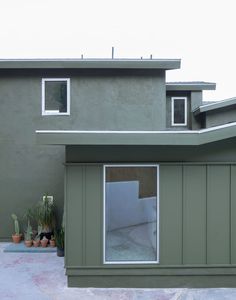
144	277
151	271
5	239
223	281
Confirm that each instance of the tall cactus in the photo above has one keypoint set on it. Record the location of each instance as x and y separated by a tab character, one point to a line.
16	224
29	232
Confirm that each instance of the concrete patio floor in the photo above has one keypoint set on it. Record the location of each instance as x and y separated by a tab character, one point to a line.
41	276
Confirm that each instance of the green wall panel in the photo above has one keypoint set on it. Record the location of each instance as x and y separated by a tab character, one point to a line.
93	215
233	214
218	214
170	215
194	215
74	216
197	215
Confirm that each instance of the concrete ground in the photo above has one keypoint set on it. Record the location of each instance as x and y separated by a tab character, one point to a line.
41	276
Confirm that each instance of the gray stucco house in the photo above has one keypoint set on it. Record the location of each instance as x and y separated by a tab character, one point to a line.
150	199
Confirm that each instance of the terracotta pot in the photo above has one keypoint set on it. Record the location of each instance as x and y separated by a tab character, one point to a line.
16	238
44	242
36	243
28	243
52	243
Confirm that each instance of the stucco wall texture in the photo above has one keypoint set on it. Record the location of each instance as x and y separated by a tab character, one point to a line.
27	170
122	101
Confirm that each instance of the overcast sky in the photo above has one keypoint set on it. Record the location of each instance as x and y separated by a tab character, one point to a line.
200	32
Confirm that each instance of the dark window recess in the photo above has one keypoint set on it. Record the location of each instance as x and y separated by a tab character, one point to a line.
56	96
179	111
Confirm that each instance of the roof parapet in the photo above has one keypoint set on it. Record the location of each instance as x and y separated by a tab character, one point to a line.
165	64
190	86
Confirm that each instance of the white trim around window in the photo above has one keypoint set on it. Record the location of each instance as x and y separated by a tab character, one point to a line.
173	99
104	216
56	112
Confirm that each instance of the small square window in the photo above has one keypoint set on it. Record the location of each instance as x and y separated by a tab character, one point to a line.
55	96
178	111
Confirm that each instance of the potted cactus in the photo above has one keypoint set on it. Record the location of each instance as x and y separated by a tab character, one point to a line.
36	240
16	237
28	236
45	215
44	242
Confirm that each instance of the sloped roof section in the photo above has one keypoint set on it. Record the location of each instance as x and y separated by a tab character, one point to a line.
207	102
190	86
148	138
215	105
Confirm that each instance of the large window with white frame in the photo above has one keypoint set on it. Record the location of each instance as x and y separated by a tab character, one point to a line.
131	214
178	111
55	96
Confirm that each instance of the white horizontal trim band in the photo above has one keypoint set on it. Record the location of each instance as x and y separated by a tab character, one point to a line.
138	132
189	83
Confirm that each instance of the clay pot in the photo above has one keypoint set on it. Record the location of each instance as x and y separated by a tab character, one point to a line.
16	238
52	243
28	243
44	242
36	243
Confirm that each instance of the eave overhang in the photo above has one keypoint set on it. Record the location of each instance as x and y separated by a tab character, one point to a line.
148	138
165	64
190	86
216	105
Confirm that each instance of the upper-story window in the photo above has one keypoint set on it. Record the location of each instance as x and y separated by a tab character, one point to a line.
178	111
55	96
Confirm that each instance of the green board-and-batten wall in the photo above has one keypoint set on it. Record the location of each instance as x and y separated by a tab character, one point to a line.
197	228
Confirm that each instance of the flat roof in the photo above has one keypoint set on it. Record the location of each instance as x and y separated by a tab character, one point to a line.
215	105
148	138
166	64
190	86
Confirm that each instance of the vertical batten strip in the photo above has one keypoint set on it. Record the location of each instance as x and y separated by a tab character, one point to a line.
84	213
233	214
183	212
102	249
184	215
206	214
65	214
230	216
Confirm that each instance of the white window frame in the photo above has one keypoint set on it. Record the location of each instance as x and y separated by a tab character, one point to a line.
56	112
104	215
173	99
